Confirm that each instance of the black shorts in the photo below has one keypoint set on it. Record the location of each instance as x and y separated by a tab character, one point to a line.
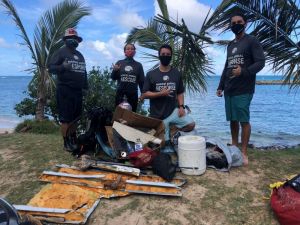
69	103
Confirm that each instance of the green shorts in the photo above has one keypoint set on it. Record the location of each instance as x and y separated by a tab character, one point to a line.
237	107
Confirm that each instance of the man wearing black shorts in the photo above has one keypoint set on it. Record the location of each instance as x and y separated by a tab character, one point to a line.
69	66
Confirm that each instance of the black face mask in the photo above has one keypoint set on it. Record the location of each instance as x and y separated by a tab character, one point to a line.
71	43
165	59
237	28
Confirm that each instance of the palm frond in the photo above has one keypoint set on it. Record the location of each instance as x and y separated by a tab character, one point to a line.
56	20
189	56
152	36
11	11
276	25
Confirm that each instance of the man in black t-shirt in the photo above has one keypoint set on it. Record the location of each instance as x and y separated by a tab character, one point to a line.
69	66
164	87
245	58
129	74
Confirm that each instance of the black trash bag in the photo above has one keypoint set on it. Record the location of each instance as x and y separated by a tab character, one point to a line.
121	147
97	119
294	183
216	158
162	166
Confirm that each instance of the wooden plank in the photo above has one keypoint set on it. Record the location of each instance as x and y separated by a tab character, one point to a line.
131	134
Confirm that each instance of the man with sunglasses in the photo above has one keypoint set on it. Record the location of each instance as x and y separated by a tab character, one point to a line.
245	58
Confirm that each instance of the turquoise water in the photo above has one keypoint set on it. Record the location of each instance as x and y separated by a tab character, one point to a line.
275	116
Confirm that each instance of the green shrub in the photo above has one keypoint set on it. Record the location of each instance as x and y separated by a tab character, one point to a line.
38	127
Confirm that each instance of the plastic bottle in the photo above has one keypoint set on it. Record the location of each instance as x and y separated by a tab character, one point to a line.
125	104
138	145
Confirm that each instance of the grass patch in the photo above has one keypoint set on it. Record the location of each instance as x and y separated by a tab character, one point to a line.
38	127
23	158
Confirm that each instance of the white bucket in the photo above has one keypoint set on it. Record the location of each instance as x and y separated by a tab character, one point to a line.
191	154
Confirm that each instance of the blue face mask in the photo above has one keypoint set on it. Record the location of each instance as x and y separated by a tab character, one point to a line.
71	43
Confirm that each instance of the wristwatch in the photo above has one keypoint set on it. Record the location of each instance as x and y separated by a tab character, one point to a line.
182	106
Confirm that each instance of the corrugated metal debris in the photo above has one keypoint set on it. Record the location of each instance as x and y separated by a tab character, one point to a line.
71	194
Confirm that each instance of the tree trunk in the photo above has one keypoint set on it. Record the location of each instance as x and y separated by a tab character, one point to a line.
41	97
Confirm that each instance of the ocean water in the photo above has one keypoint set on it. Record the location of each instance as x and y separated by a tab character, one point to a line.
275	116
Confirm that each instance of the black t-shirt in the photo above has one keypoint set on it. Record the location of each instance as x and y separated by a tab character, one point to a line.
248	53
129	76
76	77
162	107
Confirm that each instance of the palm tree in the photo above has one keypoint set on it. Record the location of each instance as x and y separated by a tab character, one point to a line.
188	55
276	24
46	40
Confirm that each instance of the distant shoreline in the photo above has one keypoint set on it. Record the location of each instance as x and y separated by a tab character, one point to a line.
6	130
271	82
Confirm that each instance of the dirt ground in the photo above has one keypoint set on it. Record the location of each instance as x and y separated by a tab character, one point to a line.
206	200
213	198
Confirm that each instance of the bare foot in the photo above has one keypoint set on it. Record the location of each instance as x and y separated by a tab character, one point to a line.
245	160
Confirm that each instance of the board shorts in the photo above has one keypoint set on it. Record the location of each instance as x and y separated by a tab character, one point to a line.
238	107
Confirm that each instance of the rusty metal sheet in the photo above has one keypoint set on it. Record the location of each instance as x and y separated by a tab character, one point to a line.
143	184
111	175
77	199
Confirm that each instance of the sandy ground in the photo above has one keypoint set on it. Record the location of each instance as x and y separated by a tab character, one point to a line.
6	130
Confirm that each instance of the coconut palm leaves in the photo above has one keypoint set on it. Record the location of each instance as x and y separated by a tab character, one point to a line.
276	24
47	39
188	54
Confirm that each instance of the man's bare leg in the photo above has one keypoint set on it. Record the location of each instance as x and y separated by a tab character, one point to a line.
234	128
188	127
246	132
63	128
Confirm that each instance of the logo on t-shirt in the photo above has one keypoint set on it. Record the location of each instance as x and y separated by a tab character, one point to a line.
75	57
166	78
234	50
128	68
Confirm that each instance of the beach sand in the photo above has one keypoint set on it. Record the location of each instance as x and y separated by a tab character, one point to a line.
6	130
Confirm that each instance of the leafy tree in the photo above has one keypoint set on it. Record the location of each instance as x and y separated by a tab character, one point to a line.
102	90
29	104
188	55
276	24
46	40
101	93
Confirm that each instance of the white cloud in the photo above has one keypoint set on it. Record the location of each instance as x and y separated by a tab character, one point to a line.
123	15
3	43
103	53
130	20
192	11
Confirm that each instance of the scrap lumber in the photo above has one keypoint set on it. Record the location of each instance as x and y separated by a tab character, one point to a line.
144	184
86	162
132	134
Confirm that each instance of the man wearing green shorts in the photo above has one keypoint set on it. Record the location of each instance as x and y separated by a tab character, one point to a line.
245	58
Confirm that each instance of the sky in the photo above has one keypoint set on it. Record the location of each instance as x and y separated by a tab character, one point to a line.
104	31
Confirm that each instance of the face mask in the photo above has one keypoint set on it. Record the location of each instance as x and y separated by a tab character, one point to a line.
237	28
165	59
72	43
